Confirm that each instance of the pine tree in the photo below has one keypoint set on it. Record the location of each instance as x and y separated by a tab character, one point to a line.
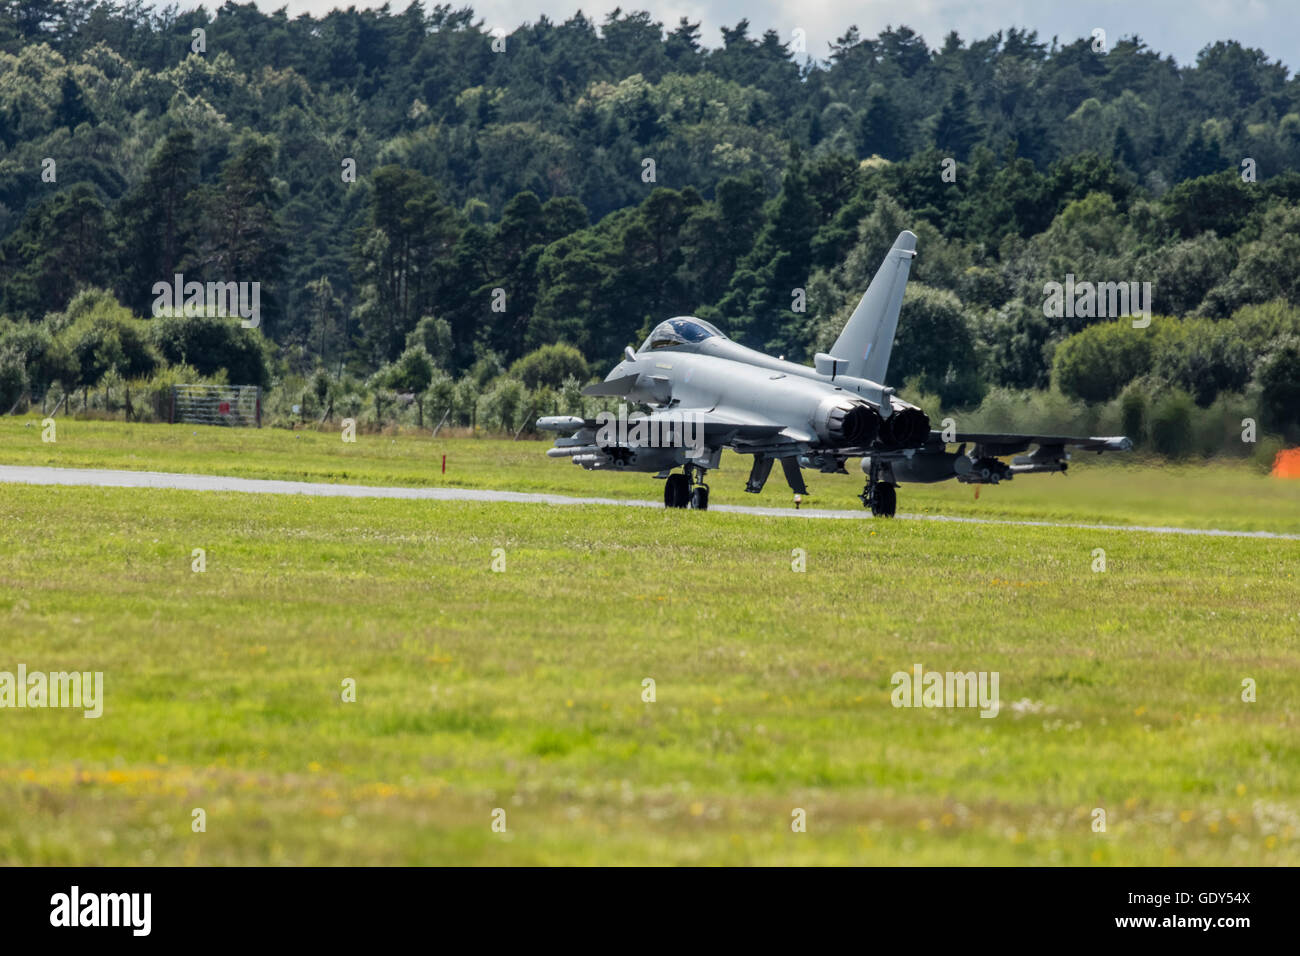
957	128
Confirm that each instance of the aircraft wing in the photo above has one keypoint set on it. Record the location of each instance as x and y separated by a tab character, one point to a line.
723	425
998	444
620	387
719	427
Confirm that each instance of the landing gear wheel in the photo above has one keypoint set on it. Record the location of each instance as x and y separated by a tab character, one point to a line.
677	491
878	495
885	501
700	498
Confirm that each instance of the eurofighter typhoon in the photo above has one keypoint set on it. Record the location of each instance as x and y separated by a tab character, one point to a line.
705	393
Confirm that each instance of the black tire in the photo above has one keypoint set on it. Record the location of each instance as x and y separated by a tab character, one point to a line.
886	501
700	498
677	491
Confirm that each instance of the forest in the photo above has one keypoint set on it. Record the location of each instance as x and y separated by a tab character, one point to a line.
450	223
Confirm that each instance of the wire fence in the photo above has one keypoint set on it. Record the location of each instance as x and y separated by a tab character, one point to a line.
237	405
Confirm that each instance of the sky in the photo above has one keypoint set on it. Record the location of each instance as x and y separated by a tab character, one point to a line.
1177	27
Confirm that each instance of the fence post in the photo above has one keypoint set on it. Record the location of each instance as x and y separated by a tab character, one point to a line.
524	424
439	425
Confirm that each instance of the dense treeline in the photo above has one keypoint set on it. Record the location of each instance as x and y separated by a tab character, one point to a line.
425	204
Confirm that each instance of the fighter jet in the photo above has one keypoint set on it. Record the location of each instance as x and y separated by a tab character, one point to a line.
705	392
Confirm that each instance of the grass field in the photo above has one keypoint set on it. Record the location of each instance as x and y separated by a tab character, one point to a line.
522	690
1119	489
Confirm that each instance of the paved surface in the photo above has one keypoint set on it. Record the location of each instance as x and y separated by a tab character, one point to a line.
107	478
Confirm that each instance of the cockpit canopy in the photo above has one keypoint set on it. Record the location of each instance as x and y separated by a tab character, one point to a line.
679	331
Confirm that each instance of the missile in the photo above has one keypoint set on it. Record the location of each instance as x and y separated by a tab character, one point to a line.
561	423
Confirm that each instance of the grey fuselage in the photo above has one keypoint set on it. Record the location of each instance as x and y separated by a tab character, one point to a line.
720	375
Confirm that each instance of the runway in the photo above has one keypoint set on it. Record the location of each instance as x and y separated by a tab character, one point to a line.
109	478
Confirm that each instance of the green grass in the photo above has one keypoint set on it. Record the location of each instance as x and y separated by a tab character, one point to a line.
522	689
1120	488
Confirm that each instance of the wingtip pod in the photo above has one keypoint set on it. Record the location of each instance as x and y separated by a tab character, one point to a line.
1117	443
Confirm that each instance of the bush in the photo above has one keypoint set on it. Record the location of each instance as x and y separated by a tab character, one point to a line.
1094	365
467	399
1133	406
1278	376
100	335
320	387
13	379
505	403
1014	344
1205	358
936	346
550	365
154	393
571	398
349	397
485	368
412	372
1171	424
213	345
45	359
1044	413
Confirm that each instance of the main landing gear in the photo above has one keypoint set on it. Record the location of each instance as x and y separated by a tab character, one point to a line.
879	495
687	490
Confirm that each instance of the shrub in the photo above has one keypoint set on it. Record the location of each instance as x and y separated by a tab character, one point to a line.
212	345
1134	405
100	335
505	403
154	392
45	359
412	372
13	379
935	344
550	365
1171	424
1206	358
1096	364
1278	376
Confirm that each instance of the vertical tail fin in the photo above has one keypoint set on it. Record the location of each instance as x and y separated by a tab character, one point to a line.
868	336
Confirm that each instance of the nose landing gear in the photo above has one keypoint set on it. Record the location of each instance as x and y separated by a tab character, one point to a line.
687	490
